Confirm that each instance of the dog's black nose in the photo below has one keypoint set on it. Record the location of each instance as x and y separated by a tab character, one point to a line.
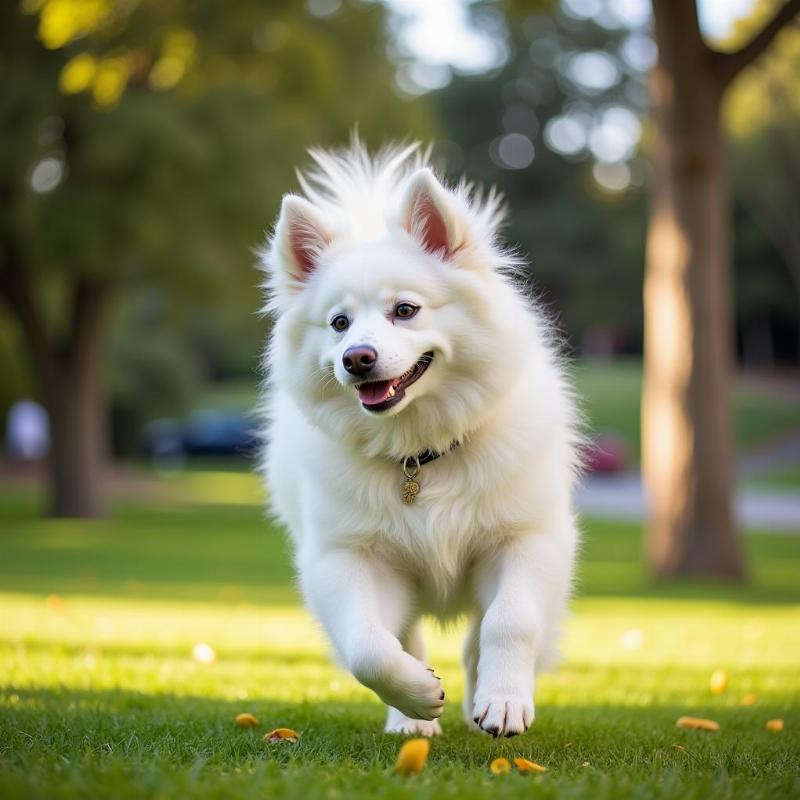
360	359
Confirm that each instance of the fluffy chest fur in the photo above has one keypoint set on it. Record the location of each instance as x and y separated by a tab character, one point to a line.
506	477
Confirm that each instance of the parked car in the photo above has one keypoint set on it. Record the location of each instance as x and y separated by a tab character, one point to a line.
219	433
606	454
206	432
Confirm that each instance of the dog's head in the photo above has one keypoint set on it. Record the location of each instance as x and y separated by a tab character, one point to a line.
398	333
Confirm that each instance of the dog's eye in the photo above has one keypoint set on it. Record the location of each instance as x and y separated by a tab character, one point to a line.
405	310
340	323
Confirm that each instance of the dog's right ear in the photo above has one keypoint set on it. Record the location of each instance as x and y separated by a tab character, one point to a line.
301	236
428	213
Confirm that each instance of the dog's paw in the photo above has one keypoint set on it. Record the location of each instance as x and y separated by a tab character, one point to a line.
400	723
502	715
406	684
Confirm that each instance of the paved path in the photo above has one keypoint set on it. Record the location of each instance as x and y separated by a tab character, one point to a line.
622	497
785	452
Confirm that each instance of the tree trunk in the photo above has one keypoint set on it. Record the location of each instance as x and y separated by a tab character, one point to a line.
77	448
687	460
71	384
74	397
78	435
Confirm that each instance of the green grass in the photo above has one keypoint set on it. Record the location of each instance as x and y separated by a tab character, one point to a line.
783	477
611	399
100	696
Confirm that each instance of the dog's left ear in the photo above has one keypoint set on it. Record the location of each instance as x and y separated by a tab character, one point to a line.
430	215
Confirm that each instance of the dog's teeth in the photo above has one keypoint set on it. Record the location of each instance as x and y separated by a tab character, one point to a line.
391	391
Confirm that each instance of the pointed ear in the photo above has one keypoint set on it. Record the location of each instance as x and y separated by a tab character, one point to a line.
300	237
429	214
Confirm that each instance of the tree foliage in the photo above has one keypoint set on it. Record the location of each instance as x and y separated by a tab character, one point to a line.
148	143
159	135
762	117
584	241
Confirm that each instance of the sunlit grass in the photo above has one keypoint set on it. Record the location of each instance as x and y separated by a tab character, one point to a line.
100	695
275	652
220	487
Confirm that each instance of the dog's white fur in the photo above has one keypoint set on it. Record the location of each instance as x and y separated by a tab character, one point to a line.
492	533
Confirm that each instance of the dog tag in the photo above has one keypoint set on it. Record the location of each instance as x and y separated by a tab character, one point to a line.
410	491
411	486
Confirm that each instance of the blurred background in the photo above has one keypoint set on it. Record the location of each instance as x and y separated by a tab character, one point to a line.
654	184
146	147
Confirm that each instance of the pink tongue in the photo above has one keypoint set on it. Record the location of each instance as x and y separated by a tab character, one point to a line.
375	392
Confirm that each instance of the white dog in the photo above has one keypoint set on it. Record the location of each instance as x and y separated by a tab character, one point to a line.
422	438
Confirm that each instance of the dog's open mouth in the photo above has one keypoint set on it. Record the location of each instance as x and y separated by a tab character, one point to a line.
382	395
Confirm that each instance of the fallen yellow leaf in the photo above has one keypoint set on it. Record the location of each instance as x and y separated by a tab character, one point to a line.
697	723
55	604
412	757
718	682
500	766
282	735
246	720
749	699
774	725
523	765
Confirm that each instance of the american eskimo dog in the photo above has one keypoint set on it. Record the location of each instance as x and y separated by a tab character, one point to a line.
421	434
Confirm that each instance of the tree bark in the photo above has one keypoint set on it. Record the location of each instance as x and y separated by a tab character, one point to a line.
686	427
77	448
76	405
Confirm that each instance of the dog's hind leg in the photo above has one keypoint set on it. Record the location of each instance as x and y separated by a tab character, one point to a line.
396	721
469	657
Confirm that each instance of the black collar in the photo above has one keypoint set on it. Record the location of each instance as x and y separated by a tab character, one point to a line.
426	456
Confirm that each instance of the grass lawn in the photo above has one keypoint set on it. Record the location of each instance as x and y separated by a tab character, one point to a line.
783	477
100	695
612	399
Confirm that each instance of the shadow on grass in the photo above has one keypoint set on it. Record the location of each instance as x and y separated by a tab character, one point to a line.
91	728
248	653
234	555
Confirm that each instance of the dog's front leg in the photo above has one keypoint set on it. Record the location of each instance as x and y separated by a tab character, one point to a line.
521	593
364	607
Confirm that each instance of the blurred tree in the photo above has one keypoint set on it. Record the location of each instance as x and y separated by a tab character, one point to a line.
147	350
686	453
762	116
150	142
564	109
767	306
17	381
574	85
